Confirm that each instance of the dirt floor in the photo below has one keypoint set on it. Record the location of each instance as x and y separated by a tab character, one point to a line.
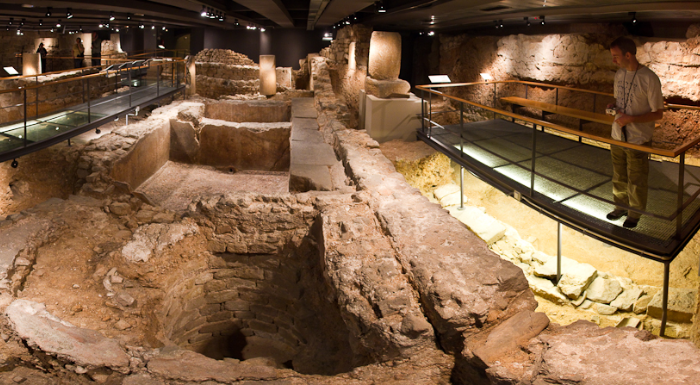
542	231
174	185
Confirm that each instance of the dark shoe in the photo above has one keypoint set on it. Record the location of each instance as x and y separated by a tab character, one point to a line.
616	214
630	223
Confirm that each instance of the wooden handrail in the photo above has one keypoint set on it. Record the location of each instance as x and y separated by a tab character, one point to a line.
99	74
661	152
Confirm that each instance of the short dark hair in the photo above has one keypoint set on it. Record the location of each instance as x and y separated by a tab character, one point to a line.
625	45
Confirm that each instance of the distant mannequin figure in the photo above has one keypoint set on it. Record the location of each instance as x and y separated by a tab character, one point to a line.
638	102
78	53
42	54
96	50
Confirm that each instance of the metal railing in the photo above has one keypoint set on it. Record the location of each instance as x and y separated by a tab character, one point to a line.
686	224
40	113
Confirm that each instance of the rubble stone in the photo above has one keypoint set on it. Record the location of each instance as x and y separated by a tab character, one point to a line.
603	290
681	304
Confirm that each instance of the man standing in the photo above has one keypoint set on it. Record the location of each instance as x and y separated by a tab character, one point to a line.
78	53
42	55
639	103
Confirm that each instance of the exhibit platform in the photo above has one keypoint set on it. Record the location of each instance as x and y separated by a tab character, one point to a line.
128	89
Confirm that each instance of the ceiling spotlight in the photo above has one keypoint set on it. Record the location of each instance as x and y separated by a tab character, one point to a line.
116	30
128	16
141	26
101	25
41	22
111	16
495	22
501	23
381	8
80	28
527	21
21	23
431	33
153	27
69	14
262	29
203	12
222	17
634	17
235	22
58	24
48	12
163	28
51	29
11	20
542	20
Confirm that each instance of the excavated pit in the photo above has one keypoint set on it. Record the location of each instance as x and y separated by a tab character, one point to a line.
265	303
212	147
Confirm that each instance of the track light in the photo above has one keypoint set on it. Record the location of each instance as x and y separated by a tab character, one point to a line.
495	22
153	27
128	16
48	12
58	24
21	23
141	26
41	22
11	20
262	29
69	14
500	22
203	12
634	17
222	17
235	22
381	8
527	21
111	16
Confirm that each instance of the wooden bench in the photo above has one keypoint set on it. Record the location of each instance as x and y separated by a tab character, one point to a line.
554	109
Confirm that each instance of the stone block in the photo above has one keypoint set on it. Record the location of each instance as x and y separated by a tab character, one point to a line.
385	88
454	199
546	289
304	108
603	290
284	76
215	285
627	299
237	305
484	226
221	296
303	153
220	316
385	55
681	305
262	326
604	309
445	190
304	177
184	145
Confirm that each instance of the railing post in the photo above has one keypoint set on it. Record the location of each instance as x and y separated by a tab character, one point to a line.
422	111
130	85
556	97
558	252
158	82
88	101
532	167
594	100
664	300
36	100
681	188
430	115
25	116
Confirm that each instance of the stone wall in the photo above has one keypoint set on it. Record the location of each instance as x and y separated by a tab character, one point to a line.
348	80
578	60
224	72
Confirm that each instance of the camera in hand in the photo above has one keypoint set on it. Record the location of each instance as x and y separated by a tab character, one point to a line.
611	111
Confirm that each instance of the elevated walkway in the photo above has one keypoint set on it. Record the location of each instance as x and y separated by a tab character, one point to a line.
564	172
99	99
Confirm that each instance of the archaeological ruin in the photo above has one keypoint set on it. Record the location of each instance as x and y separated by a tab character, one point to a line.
344	192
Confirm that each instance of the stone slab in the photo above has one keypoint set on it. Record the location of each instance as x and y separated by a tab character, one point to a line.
309	177
627	299
309	136
41	329
453	200
385	88
484	226
603	290
510	334
445	190
184	365
304	108
312	153
305	123
681	304
385	55
546	289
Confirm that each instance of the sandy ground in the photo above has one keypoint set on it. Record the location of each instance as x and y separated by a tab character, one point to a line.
575	245
174	185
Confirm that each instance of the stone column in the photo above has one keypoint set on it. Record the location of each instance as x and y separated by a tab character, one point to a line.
385	65
352	63
268	75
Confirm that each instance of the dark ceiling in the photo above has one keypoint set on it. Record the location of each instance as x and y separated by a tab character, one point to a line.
416	15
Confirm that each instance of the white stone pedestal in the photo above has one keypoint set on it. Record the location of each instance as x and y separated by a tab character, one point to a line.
31	63
389	119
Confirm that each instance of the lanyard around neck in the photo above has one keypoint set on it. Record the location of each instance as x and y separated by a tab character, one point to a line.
624	89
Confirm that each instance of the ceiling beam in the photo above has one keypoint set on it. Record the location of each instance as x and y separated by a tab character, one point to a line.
271	9
339	10
316	8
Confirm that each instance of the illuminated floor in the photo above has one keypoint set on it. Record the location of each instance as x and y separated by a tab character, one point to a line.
573	181
14	135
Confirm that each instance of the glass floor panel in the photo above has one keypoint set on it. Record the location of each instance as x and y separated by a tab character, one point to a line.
575	181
